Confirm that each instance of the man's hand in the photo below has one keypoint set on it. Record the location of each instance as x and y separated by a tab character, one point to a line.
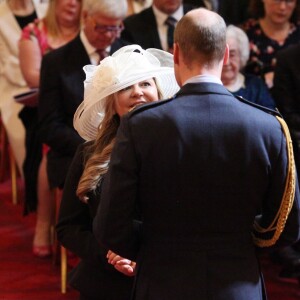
123	265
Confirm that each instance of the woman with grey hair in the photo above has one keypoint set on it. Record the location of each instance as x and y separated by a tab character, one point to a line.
248	86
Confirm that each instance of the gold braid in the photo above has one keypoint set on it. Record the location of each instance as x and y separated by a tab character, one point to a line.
277	225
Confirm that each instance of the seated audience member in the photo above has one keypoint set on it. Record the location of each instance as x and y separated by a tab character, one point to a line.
149	28
135	6
14	16
62	76
250	87
128	78
274	29
233	11
59	26
286	93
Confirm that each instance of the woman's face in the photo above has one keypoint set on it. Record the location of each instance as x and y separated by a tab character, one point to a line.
279	11
231	70
68	11
136	94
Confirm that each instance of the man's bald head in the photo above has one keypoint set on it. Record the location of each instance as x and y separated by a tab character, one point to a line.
201	37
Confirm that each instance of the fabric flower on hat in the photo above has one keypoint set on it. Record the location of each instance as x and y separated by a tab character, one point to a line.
105	74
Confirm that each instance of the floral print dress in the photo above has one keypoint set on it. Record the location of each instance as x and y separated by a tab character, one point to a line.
37	30
263	49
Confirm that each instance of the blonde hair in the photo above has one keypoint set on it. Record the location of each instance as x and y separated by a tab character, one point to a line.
51	21
98	153
97	156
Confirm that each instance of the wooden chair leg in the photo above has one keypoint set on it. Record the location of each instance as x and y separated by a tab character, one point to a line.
63	269
60	249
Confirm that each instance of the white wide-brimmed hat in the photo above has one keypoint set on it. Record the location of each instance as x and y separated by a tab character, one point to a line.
127	66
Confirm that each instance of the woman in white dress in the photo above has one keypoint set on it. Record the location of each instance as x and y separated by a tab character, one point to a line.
14	14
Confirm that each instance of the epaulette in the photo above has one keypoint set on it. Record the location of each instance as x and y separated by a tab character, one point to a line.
263	108
149	105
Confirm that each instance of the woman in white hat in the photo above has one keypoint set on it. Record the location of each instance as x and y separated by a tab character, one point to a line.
130	77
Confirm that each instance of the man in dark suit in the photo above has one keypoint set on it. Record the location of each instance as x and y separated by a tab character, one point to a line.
199	168
148	28
286	93
62	76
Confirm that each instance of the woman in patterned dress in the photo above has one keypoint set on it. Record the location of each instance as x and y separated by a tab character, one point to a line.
275	29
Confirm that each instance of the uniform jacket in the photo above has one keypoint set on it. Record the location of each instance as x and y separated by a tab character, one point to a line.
61	91
141	28
199	168
93	276
11	78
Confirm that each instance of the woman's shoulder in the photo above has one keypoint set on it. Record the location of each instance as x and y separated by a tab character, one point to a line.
34	30
254	80
37	31
36	25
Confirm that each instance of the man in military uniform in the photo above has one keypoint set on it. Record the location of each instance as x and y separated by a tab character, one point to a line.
199	168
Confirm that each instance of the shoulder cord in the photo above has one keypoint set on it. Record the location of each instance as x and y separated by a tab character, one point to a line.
279	221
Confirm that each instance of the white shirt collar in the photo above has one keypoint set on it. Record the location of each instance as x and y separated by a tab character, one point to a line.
162	27
91	50
88	47
204	78
161	17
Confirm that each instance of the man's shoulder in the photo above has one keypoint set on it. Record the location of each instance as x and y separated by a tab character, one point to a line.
139	17
264	109
117	44
147	107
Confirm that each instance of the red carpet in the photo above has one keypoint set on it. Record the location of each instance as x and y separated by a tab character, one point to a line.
24	277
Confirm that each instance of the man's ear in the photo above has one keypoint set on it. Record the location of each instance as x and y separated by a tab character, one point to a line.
176	54
226	55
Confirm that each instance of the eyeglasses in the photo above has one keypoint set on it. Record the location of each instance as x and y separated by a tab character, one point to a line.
287	2
115	29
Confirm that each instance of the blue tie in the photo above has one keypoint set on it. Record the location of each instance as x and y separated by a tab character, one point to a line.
170	22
